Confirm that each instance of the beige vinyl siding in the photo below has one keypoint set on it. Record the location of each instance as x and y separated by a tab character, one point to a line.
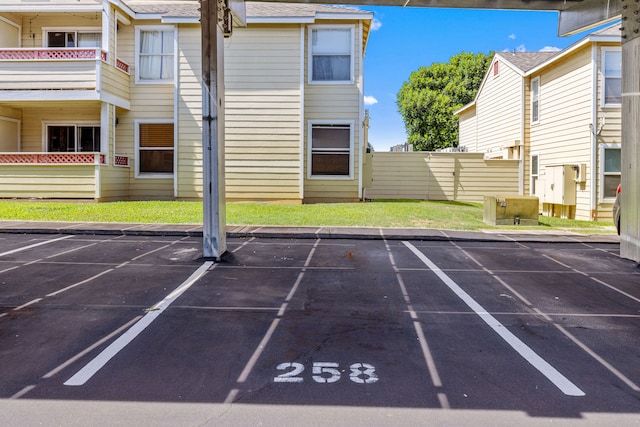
52	181
9	34
441	176
9	134
611	134
115	82
42	74
562	136
148	102
33	118
32	27
499	110
467	135
333	102
189	120
263	106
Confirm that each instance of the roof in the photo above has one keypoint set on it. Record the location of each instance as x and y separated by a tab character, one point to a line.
269	9
190	8
524	61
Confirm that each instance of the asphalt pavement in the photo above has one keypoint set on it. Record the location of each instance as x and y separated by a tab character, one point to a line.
127	324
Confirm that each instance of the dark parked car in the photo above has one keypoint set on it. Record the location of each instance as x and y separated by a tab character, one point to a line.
616	208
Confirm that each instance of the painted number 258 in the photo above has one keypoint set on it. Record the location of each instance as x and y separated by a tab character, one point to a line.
326	372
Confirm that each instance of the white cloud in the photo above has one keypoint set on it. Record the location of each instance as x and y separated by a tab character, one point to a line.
375	24
521	48
550	49
511	36
370	100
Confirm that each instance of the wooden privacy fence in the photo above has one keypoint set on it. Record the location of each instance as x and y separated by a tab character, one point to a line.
438	176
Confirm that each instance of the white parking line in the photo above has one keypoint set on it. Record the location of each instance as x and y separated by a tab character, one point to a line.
84	374
559	380
35	245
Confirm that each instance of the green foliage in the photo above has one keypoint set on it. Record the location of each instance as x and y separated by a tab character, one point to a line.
428	99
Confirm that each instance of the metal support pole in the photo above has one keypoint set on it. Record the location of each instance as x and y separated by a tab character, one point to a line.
214	233
630	213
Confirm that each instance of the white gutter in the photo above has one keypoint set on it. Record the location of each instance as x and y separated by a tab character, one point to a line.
361	141
522	150
592	136
302	134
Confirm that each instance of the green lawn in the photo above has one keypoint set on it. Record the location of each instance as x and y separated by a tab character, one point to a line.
402	214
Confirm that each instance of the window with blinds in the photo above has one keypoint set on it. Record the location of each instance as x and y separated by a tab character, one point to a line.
155	148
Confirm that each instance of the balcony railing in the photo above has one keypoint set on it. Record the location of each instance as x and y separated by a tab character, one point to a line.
51	158
47	54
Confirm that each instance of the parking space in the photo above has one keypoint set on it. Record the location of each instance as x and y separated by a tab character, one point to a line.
546	329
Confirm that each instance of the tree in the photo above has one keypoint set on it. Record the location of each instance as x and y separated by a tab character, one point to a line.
428	99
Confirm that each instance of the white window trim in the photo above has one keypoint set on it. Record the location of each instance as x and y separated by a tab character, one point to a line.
535	79
140	28
136	132
602	147
531	174
76	30
310	55
310	125
603	102
79	123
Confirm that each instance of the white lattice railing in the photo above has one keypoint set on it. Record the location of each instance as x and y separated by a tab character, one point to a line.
51	54
51	158
121	160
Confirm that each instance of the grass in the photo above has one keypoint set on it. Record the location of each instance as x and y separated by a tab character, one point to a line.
396	213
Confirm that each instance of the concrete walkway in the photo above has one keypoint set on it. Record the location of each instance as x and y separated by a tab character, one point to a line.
368	233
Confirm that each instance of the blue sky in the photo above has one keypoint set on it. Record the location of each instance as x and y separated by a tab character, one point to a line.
405	39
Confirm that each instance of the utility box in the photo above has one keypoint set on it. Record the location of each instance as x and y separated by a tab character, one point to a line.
560	185
511	210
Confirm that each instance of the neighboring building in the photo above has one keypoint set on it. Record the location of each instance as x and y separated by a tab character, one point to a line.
102	99
559	113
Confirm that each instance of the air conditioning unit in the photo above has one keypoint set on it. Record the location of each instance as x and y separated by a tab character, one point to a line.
581	172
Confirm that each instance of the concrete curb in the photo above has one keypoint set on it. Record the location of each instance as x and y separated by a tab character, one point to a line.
359	233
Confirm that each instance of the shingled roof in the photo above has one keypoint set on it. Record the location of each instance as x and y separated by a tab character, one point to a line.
525	61
189	8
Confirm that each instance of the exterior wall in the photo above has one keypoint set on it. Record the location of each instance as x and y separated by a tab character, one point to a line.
467	134
441	176
32	138
499	106
562	135
9	32
263	113
53	181
26	75
337	102
148	102
189	114
9	134
611	134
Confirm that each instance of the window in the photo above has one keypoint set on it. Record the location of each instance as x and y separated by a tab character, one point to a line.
331	150
155	148
73	138
155	55
331	55
611	166
612	76
535	100
67	39
535	172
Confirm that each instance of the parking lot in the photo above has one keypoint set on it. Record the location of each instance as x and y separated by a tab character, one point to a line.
545	330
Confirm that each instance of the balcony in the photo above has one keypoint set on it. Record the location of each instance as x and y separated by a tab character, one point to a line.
24	73
60	175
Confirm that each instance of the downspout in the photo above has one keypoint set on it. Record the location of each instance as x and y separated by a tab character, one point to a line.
302	135
359	149
521	147
176	91
592	136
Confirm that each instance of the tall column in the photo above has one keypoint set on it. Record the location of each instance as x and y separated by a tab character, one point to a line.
630	216
214	232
